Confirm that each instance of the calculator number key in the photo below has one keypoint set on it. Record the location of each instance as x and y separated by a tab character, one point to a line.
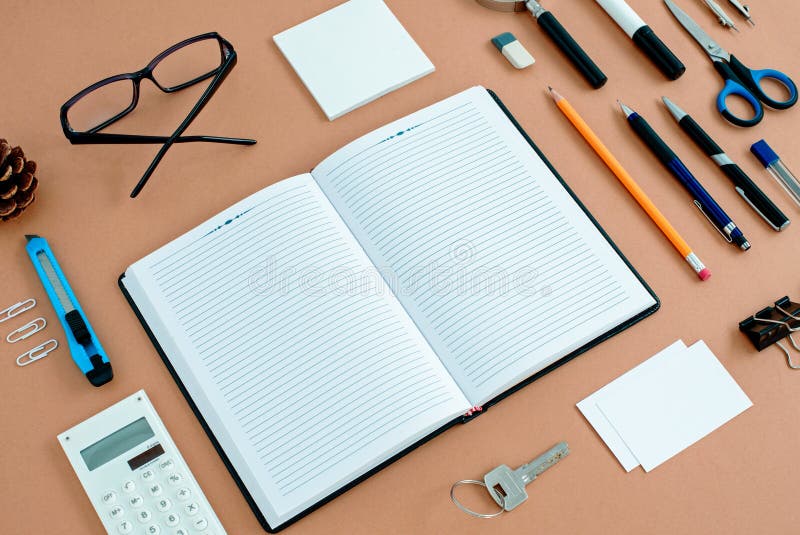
144	516
164	504
172	519
125	527
153	529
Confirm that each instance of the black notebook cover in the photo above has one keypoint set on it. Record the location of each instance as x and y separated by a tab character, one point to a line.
274	529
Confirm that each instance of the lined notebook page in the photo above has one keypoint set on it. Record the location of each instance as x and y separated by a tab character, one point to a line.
306	381
497	264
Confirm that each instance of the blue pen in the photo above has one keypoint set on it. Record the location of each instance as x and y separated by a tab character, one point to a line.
707	205
84	346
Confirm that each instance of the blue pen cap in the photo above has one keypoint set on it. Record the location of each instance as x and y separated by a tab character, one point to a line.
764	153
503	39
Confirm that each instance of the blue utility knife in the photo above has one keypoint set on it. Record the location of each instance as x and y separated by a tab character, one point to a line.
84	346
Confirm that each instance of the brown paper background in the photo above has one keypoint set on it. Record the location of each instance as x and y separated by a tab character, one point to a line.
742	479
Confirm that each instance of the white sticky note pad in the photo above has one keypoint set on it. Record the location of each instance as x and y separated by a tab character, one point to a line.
674	404
353	54
591	411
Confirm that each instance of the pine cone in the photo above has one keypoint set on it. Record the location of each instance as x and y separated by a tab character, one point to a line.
17	181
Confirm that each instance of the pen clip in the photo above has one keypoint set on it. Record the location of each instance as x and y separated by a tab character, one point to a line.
700	207
741	192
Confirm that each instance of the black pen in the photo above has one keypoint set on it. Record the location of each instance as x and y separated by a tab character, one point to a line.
702	199
744	186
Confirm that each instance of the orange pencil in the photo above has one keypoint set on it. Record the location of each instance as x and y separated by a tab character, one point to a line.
633	188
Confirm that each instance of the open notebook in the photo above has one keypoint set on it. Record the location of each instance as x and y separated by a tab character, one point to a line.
332	321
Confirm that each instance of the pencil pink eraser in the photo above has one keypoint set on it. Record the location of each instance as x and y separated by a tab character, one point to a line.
704	274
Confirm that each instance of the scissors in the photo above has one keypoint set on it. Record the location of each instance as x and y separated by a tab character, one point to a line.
739	79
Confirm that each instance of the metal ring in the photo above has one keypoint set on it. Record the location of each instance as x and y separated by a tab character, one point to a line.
467	509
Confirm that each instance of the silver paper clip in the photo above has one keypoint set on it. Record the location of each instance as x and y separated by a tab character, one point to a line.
16	310
27	330
38	352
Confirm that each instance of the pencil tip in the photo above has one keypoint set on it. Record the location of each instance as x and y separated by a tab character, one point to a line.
555	94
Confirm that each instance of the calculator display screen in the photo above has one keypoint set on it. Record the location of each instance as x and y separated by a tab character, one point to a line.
117	443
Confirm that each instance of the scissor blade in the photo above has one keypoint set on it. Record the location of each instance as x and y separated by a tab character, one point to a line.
706	42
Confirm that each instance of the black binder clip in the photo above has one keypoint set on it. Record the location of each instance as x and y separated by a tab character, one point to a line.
772	324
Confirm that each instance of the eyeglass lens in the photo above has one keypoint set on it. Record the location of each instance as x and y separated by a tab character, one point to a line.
187	64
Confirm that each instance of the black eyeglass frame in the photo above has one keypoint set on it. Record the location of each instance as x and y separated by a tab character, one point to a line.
94	136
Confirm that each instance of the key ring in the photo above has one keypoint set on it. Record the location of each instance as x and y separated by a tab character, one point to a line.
467	509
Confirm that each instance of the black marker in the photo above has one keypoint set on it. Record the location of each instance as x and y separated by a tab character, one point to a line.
644	37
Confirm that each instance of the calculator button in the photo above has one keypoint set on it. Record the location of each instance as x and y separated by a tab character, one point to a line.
116	511
144	516
136	501
174	479
166	465
147	475
109	497
200	524
181	531
129	486
184	494
172	519
164	505
153	529
155	489
125	527
191	508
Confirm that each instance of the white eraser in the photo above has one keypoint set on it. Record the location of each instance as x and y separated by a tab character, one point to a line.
513	50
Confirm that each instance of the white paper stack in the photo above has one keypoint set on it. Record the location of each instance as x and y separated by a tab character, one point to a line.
353	54
664	405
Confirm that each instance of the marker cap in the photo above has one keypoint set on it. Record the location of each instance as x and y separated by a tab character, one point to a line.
661	56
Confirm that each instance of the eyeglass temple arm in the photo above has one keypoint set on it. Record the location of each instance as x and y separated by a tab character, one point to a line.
202	101
217	139
85	138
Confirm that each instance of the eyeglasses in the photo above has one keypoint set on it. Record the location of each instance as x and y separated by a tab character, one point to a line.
178	67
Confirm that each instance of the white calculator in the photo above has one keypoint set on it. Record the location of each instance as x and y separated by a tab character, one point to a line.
134	474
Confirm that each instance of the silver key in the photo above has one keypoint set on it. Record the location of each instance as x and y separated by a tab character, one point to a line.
507	487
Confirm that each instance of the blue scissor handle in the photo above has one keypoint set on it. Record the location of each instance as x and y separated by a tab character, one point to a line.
752	80
735	88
